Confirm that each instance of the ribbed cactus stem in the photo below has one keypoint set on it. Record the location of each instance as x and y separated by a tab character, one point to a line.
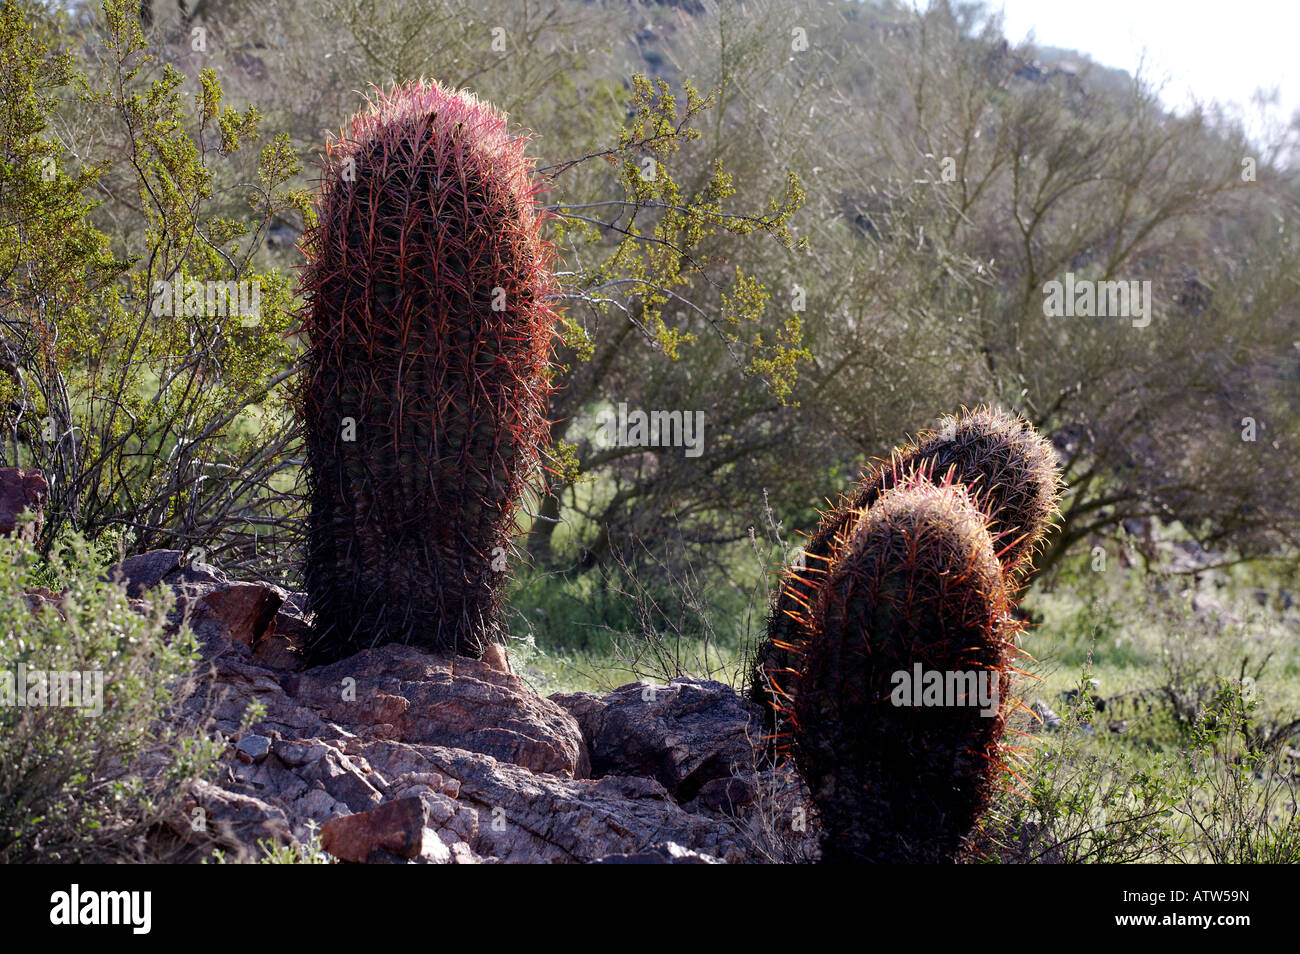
1009	471
423	403
913	586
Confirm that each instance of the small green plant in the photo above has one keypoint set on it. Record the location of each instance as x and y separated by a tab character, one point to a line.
90	690
1156	761
1244	811
307	852
1220	800
1077	802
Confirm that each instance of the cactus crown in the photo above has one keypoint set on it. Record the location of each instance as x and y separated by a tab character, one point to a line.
1008	467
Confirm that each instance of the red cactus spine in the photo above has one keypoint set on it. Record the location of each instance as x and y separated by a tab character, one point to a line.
423	402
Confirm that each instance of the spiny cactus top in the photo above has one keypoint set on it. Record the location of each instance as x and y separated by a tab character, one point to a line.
424	400
1009	469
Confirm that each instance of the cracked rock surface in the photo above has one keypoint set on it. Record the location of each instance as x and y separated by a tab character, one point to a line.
401	756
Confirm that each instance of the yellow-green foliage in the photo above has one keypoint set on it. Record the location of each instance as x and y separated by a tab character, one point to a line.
128	410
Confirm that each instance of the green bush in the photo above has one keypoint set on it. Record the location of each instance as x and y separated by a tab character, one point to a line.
77	783
131	209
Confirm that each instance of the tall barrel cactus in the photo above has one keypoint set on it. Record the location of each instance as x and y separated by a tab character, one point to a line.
913	584
1007	468
424	399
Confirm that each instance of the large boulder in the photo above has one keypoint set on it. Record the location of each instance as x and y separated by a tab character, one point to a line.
260	616
140	573
445	700
395	830
536	818
684	734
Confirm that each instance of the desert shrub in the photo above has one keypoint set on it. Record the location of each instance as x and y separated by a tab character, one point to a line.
140	344
1224	799
1244	810
1191	759
1072	804
76	783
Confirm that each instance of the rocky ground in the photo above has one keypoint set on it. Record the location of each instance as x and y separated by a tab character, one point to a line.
403	756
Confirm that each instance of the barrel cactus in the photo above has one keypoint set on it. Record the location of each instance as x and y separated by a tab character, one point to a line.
913	586
1006	467
423	403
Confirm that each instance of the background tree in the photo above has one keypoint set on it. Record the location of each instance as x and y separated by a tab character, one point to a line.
155	423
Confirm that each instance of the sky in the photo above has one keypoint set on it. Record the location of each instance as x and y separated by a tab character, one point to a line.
1210	49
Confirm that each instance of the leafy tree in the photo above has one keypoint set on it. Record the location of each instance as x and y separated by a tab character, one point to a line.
143	393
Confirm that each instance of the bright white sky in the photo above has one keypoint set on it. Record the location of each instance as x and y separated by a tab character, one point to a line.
1211	49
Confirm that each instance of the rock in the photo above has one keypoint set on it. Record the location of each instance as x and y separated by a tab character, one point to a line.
240	612
445	700
1047	719
255	67
535	818
261	616
253	748
347	781
192	580
280	652
282	644
289	635
405	756
461	854
396	827
22	491
235	820
495	657
298	754
434	852
669	853
40	596
728	796
141	573
684	734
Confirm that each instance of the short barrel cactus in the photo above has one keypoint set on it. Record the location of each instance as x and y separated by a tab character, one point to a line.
914	594
1006	467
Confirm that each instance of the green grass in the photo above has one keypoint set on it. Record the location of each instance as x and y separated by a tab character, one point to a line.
1186	763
